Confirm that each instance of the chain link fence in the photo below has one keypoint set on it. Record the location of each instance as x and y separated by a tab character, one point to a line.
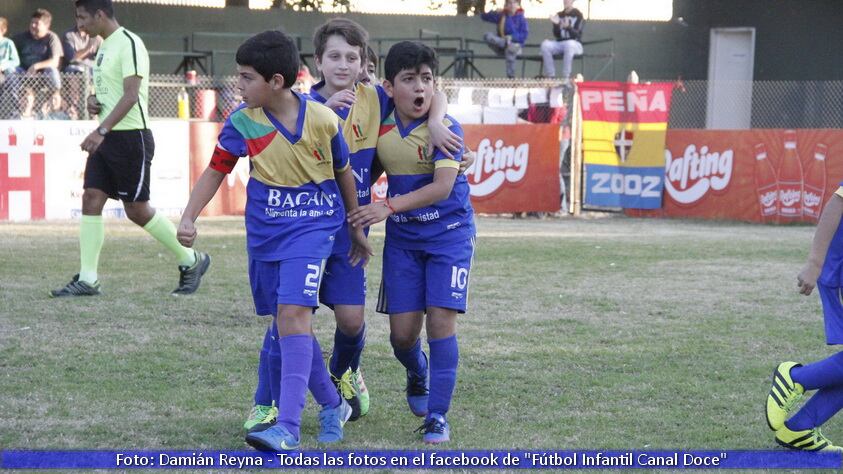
767	104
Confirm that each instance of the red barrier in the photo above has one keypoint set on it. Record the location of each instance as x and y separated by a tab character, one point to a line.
751	175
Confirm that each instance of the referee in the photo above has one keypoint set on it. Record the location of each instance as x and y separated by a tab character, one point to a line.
120	152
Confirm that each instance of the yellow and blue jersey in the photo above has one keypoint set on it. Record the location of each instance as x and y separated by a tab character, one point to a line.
360	125
293	206
409	162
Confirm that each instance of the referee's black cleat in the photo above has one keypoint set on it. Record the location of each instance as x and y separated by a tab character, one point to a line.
191	277
77	287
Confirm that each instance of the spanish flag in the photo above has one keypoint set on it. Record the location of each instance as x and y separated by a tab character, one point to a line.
624	129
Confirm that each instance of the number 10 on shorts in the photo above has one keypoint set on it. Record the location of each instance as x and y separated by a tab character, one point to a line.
459	277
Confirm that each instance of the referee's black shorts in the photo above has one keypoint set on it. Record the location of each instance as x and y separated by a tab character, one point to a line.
121	165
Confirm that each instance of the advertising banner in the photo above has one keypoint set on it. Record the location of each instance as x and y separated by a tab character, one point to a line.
42	169
624	129
773	176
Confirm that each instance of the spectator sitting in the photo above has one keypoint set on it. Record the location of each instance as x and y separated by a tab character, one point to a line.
567	28
9	60
80	50
26	108
54	109
511	34
40	49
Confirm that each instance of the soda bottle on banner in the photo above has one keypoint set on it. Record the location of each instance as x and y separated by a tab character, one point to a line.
766	184
814	190
790	179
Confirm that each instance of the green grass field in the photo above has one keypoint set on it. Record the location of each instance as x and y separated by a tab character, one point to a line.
582	334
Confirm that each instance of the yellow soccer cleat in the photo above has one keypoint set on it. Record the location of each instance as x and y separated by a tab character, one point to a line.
783	396
806	440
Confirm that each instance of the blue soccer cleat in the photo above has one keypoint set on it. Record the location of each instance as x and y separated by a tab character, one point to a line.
275	439
435	429
331	421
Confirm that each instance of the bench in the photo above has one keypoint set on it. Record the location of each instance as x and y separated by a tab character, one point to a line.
607	57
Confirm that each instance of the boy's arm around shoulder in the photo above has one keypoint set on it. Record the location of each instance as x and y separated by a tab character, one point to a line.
826	228
441	137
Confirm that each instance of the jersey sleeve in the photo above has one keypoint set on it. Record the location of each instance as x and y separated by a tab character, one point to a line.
135	59
839	191
339	151
439	158
385	102
230	147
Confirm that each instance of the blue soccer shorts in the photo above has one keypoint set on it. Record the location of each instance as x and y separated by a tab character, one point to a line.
295	281
832	313
342	283
414	280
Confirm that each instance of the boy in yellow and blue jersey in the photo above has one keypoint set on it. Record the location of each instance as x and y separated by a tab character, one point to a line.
823	270
340	47
293	212
429	238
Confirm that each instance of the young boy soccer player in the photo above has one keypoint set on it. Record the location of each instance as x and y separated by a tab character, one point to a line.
429	238
120	152
824	270
340	47
292	214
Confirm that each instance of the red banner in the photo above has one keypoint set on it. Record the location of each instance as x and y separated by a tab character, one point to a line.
750	175
516	169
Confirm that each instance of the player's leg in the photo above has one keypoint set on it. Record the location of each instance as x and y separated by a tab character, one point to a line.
444	360
297	296
344	290
791	380
98	186
263	279
404	331
132	161
264	412
402	297
447	282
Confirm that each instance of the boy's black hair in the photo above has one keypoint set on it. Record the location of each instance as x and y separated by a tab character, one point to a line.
372	56
269	53
91	6
351	31
409	55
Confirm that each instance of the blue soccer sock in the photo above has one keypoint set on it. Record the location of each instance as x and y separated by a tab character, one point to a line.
263	392
297	352
275	365
346	350
412	359
444	359
819	409
358	352
320	385
824	373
